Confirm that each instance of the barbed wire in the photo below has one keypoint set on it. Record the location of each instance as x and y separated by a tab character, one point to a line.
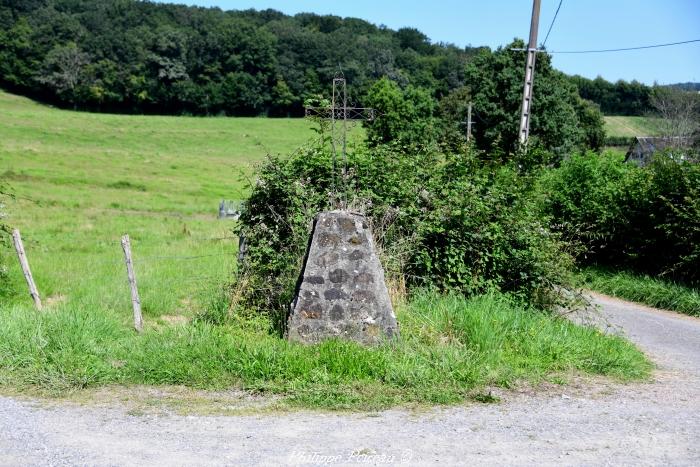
173	257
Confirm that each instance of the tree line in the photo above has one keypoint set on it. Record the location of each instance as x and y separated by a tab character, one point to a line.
618	98
138	56
626	98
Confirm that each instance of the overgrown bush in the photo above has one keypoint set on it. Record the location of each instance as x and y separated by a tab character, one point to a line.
447	222
591	120
452	117
643	218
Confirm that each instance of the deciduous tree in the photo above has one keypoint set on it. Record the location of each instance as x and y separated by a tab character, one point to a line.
679	111
64	70
557	121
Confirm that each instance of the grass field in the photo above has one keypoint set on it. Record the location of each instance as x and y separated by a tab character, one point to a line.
631	126
82	180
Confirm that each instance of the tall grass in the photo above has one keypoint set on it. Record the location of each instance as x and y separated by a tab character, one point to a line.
450	348
649	290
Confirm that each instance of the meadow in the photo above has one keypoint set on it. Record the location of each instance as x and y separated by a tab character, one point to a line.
82	180
619	126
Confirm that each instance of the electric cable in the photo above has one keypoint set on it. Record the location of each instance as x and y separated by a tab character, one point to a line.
621	49
552	24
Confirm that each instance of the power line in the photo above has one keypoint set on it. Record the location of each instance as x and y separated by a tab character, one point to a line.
620	50
552	24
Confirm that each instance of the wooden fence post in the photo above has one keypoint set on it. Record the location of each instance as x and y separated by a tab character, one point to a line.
135	300
19	247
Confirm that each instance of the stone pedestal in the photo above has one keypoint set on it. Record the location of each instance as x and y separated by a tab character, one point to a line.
341	292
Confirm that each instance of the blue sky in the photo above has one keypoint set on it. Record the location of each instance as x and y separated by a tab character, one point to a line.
581	24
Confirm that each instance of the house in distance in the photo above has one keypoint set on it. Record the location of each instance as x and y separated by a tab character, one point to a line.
643	148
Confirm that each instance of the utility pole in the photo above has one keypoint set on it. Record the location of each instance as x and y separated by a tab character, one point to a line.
469	122
529	74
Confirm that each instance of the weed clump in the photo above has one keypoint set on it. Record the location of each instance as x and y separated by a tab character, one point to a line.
126	185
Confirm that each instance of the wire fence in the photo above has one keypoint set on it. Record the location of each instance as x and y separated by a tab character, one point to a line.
136	265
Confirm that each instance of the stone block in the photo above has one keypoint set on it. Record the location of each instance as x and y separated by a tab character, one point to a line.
342	292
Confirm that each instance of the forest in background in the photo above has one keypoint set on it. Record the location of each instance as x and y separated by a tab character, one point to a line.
133	56
141	57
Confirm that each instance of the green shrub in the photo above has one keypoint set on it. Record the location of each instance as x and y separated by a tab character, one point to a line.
445	222
480	229
591	120
675	204
453	114
405	115
645	219
583	199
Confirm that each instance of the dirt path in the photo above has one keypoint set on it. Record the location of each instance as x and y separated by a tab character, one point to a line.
641	424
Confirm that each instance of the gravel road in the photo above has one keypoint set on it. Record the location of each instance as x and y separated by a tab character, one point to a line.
654	423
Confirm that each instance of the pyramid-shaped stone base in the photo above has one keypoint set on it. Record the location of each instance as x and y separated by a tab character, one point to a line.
342	292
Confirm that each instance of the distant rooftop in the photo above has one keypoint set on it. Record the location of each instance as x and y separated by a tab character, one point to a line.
643	147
